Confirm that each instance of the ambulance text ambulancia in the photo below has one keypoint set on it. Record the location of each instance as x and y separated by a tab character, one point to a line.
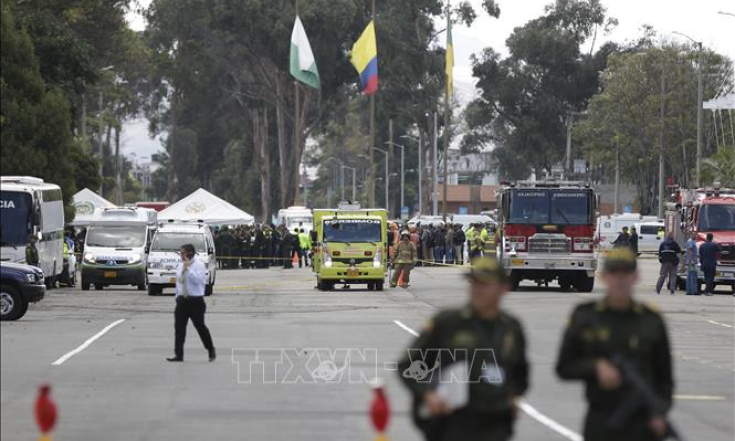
547	231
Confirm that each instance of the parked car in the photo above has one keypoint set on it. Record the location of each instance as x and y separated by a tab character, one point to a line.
20	285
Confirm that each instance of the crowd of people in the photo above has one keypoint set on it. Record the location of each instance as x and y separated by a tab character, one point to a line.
447	243
261	246
704	257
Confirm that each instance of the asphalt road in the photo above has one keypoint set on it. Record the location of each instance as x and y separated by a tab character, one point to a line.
119	387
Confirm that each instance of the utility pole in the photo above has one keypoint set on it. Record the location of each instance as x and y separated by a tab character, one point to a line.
447	97
387	182
661	135
435	172
421	171
101	129
616	207
390	147
403	172
700	115
420	142
371	155
297	130
354	191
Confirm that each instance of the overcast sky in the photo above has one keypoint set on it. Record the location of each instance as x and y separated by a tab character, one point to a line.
699	19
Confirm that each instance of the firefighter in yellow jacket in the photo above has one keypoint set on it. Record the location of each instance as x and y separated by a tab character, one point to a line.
404	258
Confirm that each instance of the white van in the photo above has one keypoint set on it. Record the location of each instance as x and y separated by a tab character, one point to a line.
116	247
649	238
164	254
296	217
610	226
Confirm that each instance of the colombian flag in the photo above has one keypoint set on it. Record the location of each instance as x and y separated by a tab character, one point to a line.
365	59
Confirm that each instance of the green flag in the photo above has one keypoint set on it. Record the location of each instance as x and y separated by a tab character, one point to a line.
303	65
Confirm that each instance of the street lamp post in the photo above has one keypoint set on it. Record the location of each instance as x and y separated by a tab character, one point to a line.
403	151
385	152
570	123
700	116
341	173
418	142
354	192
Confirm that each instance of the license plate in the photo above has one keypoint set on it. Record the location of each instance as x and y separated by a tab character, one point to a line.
172	280
110	274
353	272
517	261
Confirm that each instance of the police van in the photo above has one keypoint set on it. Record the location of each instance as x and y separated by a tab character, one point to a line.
164	254
116	247
32	207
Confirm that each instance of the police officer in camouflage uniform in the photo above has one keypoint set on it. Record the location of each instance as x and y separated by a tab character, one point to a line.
32	252
490	343
616	327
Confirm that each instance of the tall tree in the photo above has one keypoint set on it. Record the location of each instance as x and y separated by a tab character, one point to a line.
525	98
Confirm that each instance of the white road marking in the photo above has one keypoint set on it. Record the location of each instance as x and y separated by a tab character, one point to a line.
700	397
720	324
86	344
525	407
406	328
548	422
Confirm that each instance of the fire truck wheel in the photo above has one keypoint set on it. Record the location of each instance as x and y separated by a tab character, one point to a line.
565	284
584	283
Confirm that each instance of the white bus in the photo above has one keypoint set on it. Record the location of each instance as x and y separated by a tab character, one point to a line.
30	206
296	217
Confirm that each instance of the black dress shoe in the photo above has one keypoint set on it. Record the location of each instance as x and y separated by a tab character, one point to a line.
175	359
212	354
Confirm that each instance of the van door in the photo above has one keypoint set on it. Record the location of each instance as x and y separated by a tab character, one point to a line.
648	239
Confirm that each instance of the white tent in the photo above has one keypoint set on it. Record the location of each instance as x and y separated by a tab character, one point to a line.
85	202
203	205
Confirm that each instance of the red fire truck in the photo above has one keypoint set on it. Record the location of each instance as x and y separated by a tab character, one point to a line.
702	211
547	232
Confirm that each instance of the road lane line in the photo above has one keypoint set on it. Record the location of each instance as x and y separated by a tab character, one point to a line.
700	397
86	344
548	422
524	406
406	328
720	324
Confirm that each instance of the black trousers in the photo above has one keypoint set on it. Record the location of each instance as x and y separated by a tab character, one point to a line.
190	308
709	278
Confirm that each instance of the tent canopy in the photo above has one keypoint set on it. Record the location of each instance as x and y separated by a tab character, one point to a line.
203	205
85	202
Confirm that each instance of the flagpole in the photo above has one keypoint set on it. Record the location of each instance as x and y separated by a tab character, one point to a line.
297	130
371	151
445	156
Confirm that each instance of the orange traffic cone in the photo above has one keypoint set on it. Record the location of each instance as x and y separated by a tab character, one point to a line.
295	260
400	279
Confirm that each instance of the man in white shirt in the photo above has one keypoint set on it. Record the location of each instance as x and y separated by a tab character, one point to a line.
191	279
